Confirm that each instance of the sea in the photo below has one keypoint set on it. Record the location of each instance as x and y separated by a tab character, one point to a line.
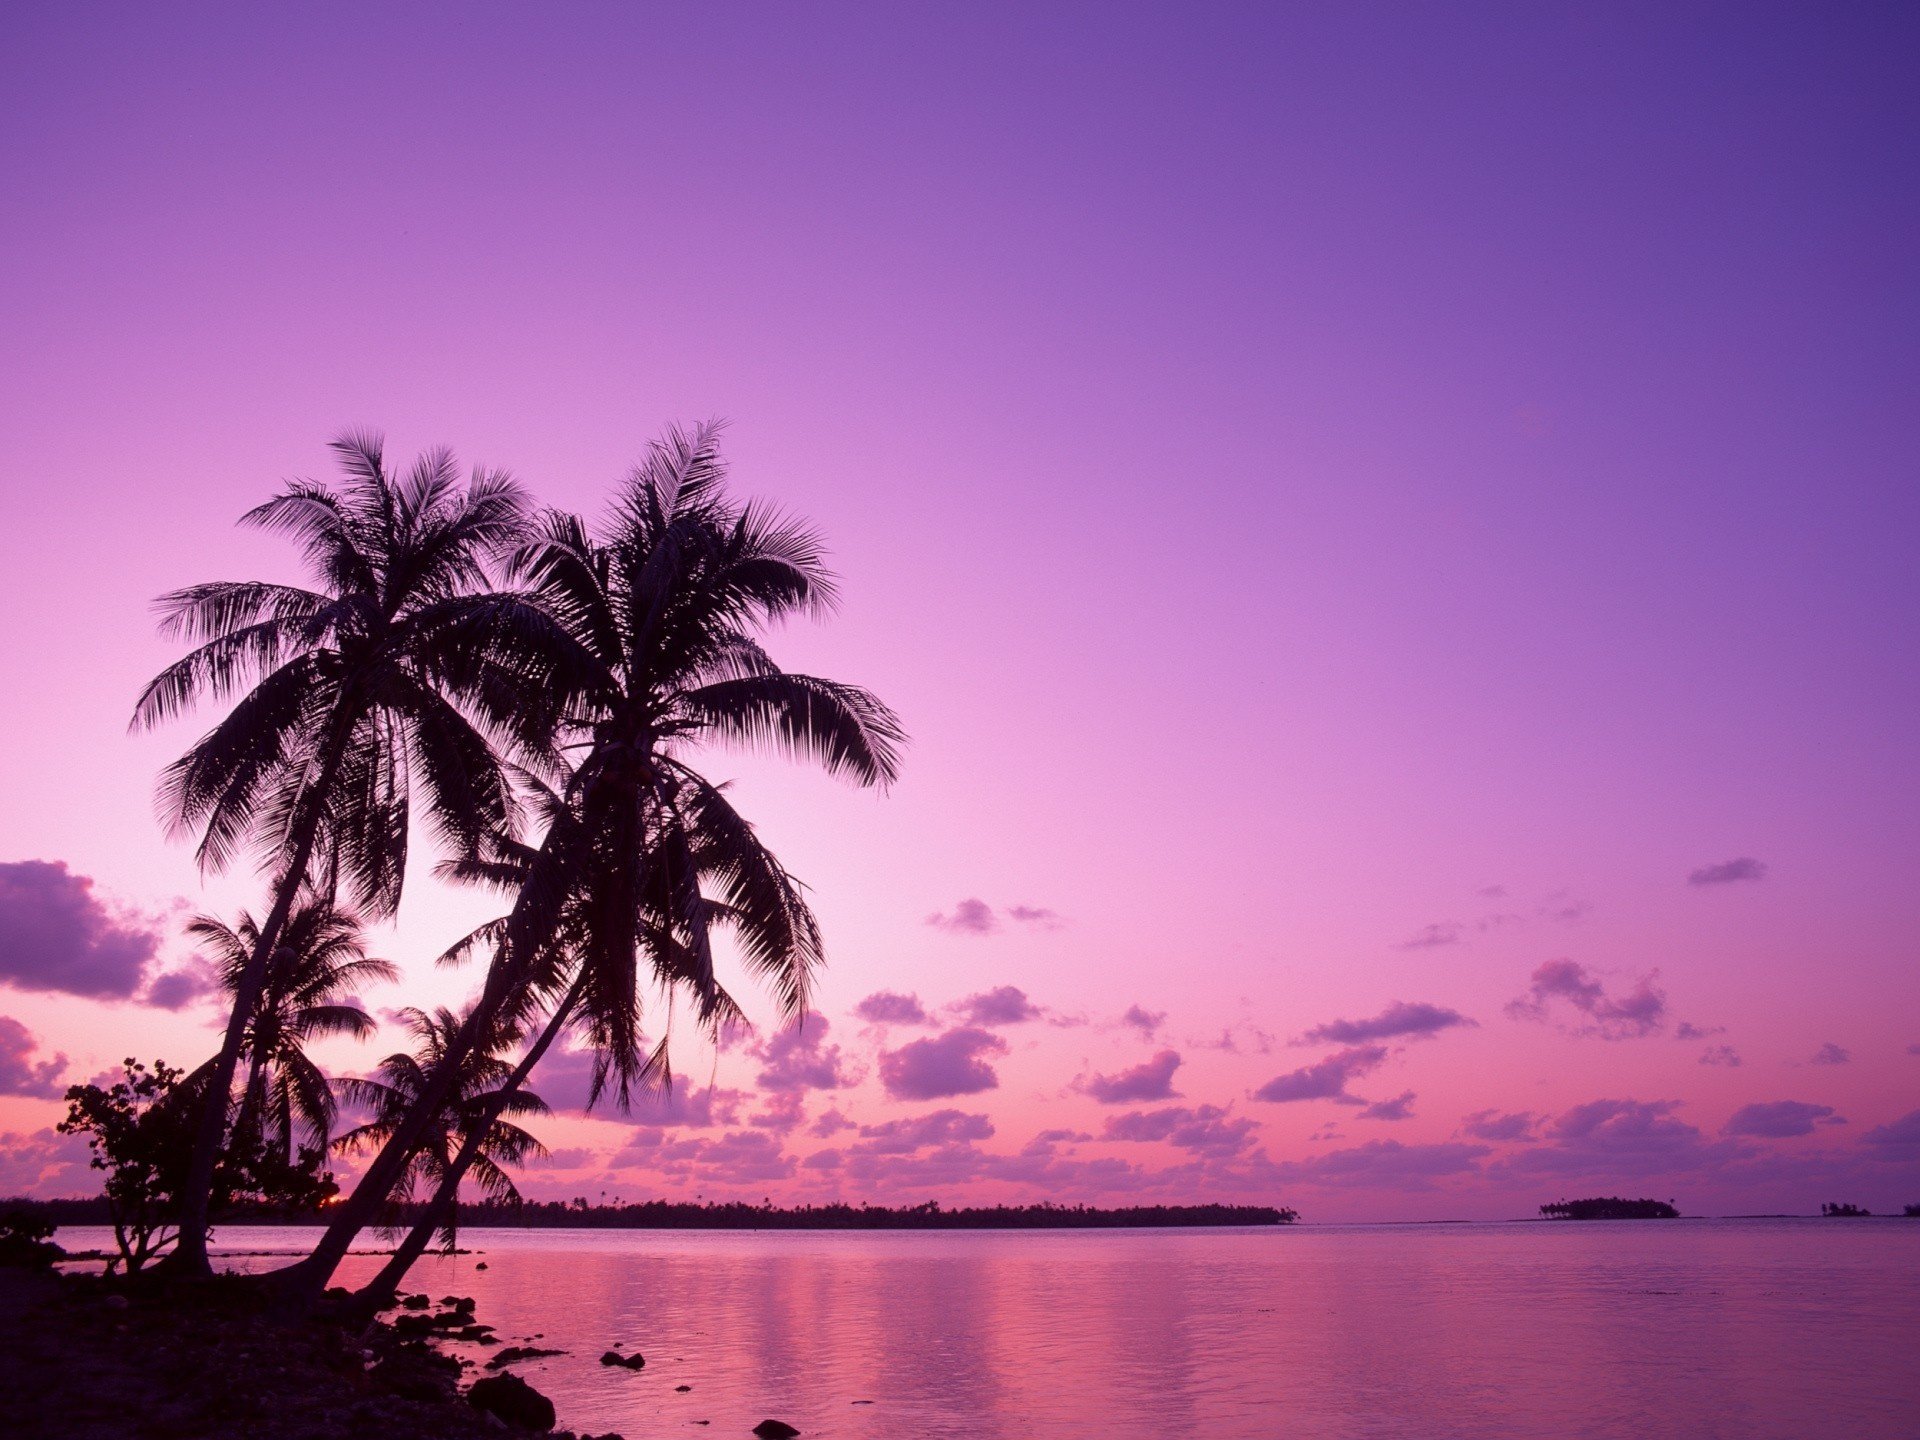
1745	1329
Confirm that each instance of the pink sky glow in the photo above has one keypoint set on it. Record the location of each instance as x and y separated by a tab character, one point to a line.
1391	528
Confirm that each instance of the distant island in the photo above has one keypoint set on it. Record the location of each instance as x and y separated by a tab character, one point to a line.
1848	1212
1610	1207
676	1215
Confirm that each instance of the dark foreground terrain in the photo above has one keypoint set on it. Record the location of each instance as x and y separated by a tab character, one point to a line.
85	1359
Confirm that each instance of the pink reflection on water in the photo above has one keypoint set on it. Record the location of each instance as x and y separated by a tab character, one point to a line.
1754	1329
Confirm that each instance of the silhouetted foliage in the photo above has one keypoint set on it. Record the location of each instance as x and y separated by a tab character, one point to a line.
676	1215
26	1241
1610	1207
1912	1212
402	1080
140	1130
1846	1212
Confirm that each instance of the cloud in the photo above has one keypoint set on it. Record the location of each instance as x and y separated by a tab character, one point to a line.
736	1158
1037	915
572	1158
1779	1119
1729	872
1398	1108
1896	1138
1642	1011
1147	1022
20	1074
797	1058
1149	1080
829	1123
1493	1125
887	1007
1419	1020
179	987
973	916
45	1163
56	935
1384	1163
1003	1005
953	1063
1204	1129
1832	1054
941	1127
1720	1055
1622	1140
969	917
1446	932
1687	1030
1325	1079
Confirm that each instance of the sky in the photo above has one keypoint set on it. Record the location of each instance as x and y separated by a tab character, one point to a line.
1390	528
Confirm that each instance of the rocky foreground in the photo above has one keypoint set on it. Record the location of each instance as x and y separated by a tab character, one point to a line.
89	1359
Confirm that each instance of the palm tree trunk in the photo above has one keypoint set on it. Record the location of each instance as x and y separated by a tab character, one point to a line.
441	1205
190	1254
301	1283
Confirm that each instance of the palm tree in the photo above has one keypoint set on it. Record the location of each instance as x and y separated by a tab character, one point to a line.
402	1082
662	613
398	664
312	975
679	961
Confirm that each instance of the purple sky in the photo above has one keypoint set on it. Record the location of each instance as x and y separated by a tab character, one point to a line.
1356	506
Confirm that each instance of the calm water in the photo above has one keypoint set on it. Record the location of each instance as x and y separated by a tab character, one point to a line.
1801	1329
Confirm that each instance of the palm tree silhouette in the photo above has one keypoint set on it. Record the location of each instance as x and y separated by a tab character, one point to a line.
398	665
312	974
469	1114
660	616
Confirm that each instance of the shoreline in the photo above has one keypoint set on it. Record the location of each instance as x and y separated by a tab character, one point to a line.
98	1359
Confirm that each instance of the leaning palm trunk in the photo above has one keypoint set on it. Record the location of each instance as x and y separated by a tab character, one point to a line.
440	1207
302	1283
190	1254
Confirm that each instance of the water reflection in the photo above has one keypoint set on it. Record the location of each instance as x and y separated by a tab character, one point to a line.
1702	1329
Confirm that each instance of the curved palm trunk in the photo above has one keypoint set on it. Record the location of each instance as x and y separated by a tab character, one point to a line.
190	1254
441	1206
301	1283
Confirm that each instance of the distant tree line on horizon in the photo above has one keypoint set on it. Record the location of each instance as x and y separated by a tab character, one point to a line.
1610	1207
738	1215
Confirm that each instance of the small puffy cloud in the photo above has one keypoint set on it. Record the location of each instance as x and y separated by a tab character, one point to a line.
1687	1030
179	987
1832	1054
798	1058
1149	1080
1779	1119
920	1132
1445	932
1147	1022
1325	1079
1498	1126
1398	1108
829	1123
1897	1138
1003	1005
1037	915
1729	872
56	935
1386	1163
971	916
1203	1129
20	1072
1417	1021
1641	1011
1720	1055
953	1063
887	1007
